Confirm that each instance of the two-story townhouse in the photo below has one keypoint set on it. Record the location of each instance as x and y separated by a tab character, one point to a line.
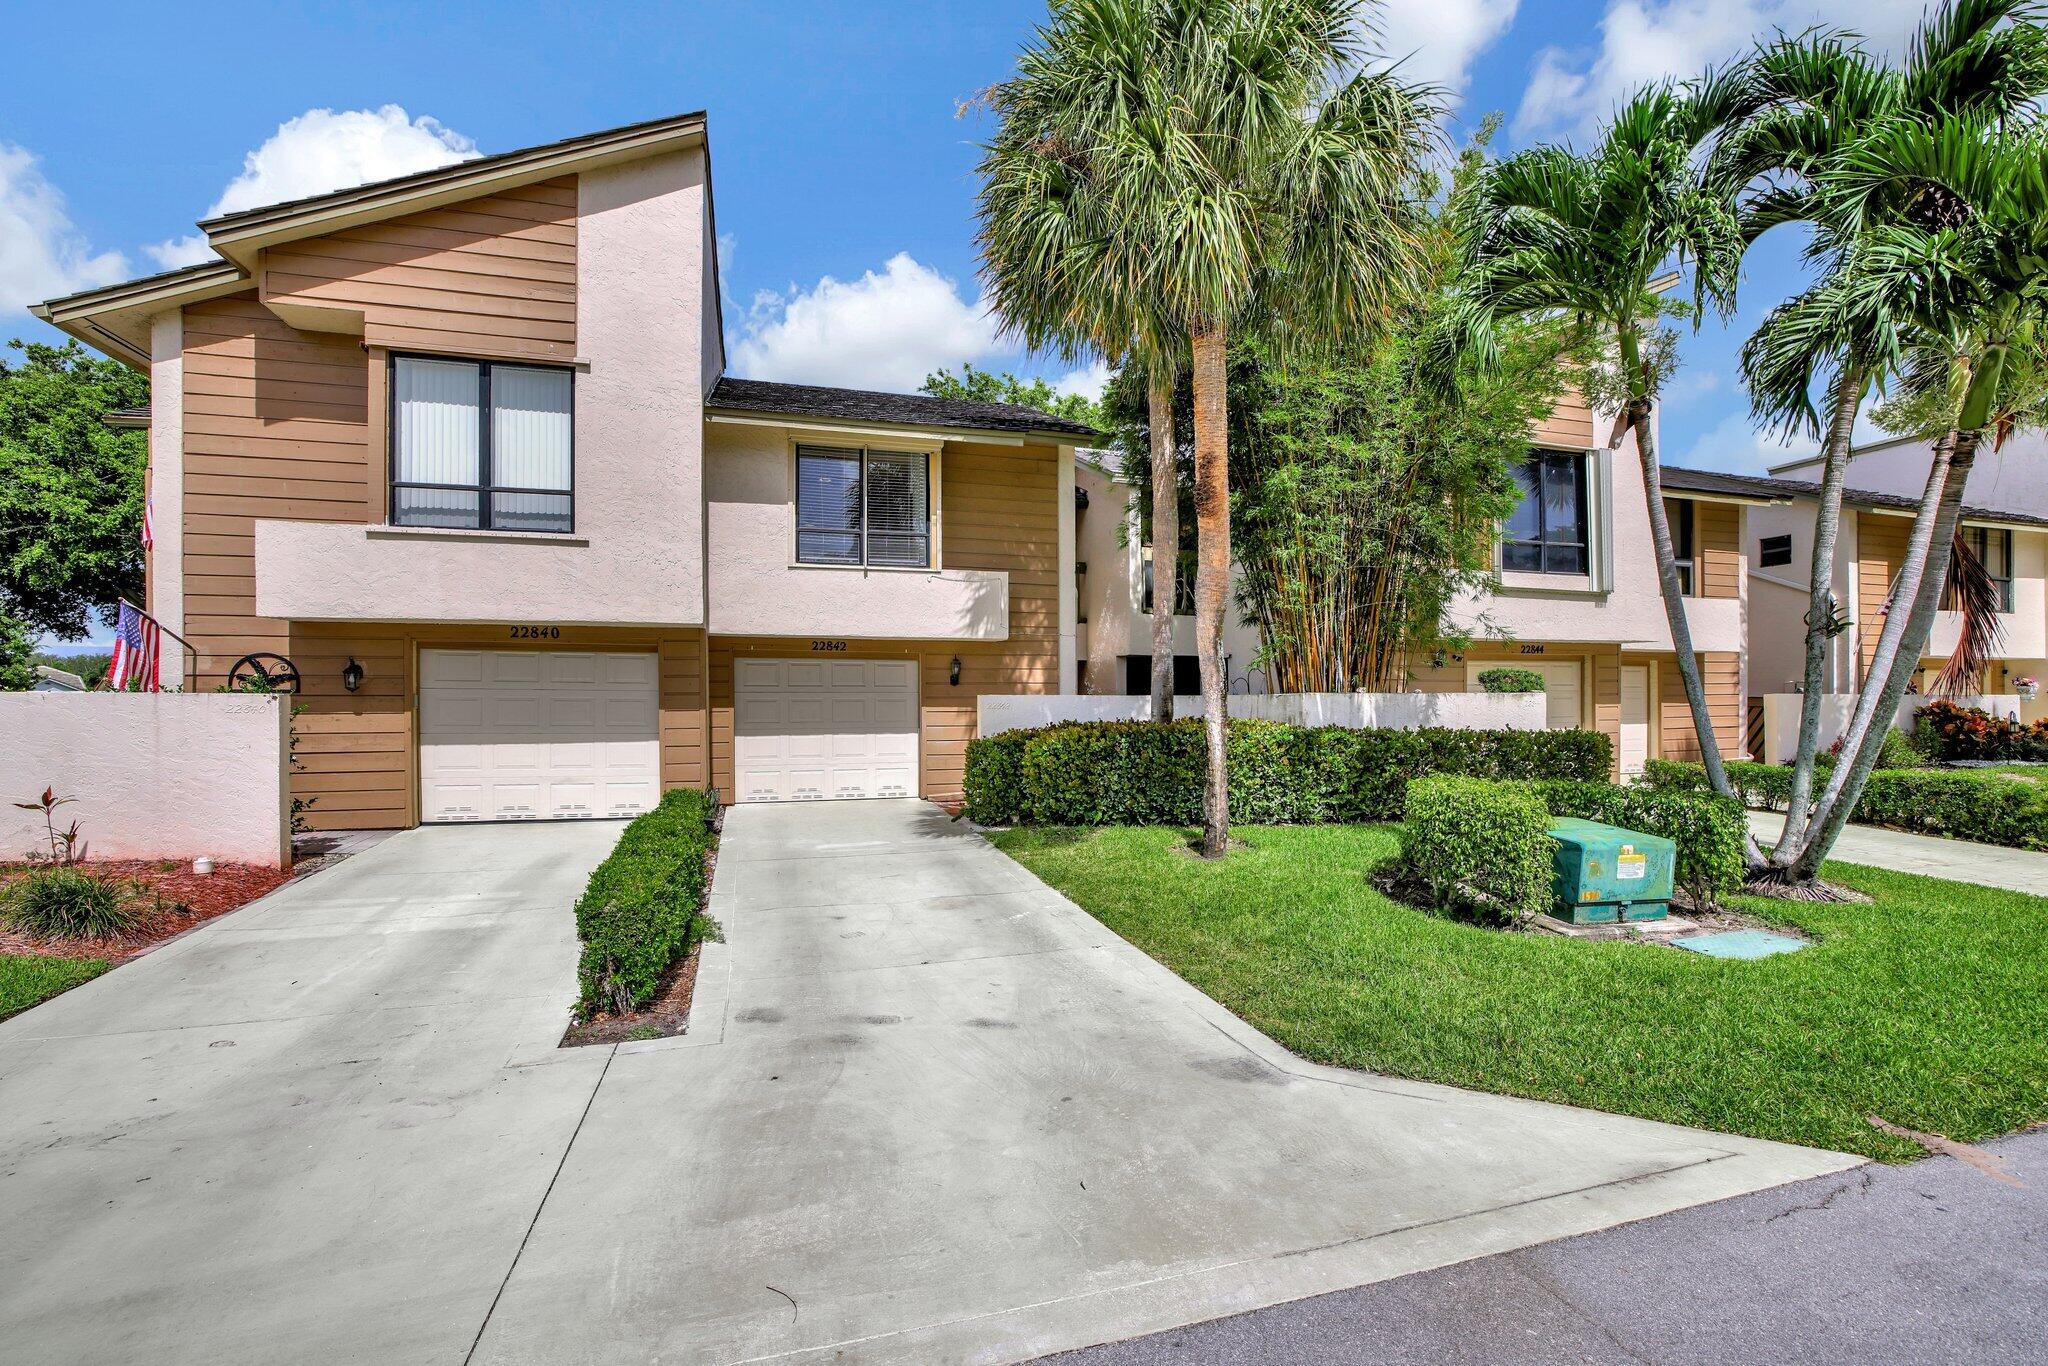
459	449
1870	548
1577	598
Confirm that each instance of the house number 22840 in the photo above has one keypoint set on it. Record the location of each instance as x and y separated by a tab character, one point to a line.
536	633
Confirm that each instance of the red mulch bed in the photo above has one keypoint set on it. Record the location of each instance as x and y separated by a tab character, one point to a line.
186	899
666	1016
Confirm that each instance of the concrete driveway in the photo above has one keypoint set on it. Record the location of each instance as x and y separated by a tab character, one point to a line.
928	1110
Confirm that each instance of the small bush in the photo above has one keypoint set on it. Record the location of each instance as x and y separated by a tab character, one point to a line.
993	784
642	910
1973	733
1895	749
1143	773
1706	827
1479	846
1511	680
64	903
1989	808
1766	787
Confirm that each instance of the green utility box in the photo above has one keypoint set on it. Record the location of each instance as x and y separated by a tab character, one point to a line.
1605	874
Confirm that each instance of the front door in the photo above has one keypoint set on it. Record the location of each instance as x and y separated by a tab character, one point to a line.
1635	718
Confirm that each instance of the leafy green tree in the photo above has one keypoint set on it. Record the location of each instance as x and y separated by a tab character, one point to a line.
1240	165
998	386
17	656
70	488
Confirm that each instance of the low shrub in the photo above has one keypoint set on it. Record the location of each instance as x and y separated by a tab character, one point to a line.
1973	733
1479	846
993	785
65	903
1895	749
1989	808
1510	680
642	910
1706	827
1143	773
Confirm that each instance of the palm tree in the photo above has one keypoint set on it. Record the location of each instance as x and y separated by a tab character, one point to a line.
1808	102
1589	236
1239	164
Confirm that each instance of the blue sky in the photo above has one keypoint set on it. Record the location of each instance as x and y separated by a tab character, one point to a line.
843	169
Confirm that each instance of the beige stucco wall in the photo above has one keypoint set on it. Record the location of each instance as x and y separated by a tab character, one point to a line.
636	556
155	775
758	589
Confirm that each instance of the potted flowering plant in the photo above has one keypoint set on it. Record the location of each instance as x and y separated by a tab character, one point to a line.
2026	685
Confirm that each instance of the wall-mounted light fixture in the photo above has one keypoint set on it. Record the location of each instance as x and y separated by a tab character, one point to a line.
954	676
351	674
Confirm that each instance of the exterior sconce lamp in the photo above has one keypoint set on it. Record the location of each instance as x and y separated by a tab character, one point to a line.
352	674
954	676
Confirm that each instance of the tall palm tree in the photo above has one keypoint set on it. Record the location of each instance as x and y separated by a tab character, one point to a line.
1808	101
1552	231
1241	164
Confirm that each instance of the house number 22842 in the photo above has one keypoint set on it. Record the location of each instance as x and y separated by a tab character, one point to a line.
536	633
834	645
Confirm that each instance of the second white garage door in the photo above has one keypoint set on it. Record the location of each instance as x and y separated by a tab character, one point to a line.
810	730
1561	687
508	735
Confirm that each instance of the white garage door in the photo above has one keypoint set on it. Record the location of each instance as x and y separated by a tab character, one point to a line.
532	735
1561	687
805	730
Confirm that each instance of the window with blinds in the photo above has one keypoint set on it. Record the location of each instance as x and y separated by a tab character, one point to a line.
480	445
863	507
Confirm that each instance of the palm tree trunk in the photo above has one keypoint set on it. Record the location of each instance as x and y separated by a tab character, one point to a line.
1859	750
1212	573
1165	534
1674	610
1820	599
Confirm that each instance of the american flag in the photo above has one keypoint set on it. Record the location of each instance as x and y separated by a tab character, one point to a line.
138	651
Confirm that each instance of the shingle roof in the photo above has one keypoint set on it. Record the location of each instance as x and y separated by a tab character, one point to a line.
910	410
126	417
1755	486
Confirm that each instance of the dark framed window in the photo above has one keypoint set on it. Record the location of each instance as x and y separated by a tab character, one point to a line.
1183	591
1993	547
1773	551
482	445
1187	676
1547	531
860	507
1678	516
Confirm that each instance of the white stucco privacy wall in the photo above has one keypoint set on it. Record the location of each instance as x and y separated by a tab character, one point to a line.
999	712
153	775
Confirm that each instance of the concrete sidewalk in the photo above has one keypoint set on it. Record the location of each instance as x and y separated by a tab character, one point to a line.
1933	1262
931	1111
1986	865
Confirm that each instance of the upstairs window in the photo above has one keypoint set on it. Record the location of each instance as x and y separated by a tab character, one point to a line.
1774	551
1547	531
1678	516
1183	588
859	507
478	445
1993	547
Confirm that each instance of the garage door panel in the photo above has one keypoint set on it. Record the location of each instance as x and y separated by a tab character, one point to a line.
806	730
536	735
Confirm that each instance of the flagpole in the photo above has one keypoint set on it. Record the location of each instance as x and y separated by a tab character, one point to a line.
123	602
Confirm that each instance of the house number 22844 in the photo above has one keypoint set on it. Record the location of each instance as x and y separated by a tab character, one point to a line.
536	633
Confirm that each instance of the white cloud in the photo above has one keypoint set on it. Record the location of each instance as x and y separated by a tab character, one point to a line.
882	331
1437	40
42	252
1570	91
1088	381
1734	445
322	150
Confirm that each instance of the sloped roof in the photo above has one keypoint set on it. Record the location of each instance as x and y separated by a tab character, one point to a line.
902	410
1779	490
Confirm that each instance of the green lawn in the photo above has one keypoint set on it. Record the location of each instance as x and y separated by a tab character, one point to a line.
26	979
1928	1008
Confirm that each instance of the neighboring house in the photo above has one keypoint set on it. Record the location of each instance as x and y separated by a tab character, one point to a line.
460	447
56	680
1870	547
1577	602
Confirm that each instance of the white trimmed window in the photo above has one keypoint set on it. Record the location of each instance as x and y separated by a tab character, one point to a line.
481	445
861	507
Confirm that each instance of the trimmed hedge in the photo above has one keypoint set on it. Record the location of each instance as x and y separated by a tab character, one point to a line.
1511	680
1989	808
1706	827
642	909
1479	846
1143	773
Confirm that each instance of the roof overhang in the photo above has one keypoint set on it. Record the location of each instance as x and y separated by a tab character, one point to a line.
1968	516
241	236
754	417
116	319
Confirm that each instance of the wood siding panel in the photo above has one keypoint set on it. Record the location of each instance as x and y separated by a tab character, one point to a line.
1721	675
493	276
275	427
1569	426
1880	550
1717	541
